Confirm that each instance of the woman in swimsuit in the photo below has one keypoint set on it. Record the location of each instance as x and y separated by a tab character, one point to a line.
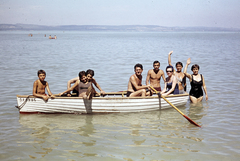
179	74
171	85
197	82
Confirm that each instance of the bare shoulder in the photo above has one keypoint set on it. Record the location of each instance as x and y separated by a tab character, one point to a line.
36	82
76	83
150	71
161	71
132	78
94	80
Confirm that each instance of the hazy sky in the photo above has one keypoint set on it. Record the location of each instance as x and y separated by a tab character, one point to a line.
210	13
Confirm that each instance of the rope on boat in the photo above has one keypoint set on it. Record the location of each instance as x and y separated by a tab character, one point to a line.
24	102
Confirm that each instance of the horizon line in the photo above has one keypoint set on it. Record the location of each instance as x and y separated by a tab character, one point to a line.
120	25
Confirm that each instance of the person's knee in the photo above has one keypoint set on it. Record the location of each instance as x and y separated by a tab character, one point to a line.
143	91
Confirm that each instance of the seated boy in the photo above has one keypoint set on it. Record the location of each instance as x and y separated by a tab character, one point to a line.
40	85
90	74
84	87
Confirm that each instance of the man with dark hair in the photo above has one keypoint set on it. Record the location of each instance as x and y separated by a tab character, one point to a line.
135	87
154	76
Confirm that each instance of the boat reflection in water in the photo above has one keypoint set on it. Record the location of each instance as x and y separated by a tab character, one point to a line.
107	134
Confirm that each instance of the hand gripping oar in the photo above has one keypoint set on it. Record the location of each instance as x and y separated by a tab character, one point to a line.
191	121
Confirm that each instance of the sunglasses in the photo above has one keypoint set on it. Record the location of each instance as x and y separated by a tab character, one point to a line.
169	71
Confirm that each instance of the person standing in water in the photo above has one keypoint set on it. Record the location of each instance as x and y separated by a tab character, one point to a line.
181	78
197	83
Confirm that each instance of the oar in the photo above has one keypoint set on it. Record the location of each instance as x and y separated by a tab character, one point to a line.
191	121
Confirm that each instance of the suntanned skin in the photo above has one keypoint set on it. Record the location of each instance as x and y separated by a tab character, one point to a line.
39	87
170	78
196	77
177	73
135	84
90	79
71	81
154	75
85	95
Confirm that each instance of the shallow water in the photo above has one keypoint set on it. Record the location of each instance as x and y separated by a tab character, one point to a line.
158	135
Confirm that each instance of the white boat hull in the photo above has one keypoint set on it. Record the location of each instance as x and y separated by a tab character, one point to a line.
31	104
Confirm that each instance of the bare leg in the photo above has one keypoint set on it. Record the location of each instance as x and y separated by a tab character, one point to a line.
141	92
149	93
195	100
83	95
90	92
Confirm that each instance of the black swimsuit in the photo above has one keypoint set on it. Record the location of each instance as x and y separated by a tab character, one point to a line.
196	88
169	87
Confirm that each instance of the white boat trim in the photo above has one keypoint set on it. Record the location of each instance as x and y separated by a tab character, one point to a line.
107	104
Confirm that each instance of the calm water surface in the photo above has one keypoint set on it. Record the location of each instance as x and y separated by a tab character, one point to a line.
158	135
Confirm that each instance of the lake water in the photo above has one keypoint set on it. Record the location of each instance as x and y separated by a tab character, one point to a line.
159	135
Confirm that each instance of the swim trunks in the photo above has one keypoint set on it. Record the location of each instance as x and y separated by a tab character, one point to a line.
75	93
158	88
128	93
196	88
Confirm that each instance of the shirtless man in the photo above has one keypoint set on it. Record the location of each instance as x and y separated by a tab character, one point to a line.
135	87
154	75
40	85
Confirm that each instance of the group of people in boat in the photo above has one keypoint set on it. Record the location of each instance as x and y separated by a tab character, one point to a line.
51	37
175	83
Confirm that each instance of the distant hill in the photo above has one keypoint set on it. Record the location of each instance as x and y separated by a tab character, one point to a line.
122	28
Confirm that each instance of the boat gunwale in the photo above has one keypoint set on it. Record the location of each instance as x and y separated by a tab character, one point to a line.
113	97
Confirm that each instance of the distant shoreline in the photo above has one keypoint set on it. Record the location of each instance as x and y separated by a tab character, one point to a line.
116	28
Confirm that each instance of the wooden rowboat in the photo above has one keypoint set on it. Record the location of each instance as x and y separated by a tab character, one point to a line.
113	102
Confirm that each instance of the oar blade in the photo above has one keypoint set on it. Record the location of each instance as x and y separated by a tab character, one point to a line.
191	121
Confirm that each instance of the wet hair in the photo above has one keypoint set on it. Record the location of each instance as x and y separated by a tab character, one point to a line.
179	63
195	66
138	65
169	67
90	71
81	74
41	72
156	62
